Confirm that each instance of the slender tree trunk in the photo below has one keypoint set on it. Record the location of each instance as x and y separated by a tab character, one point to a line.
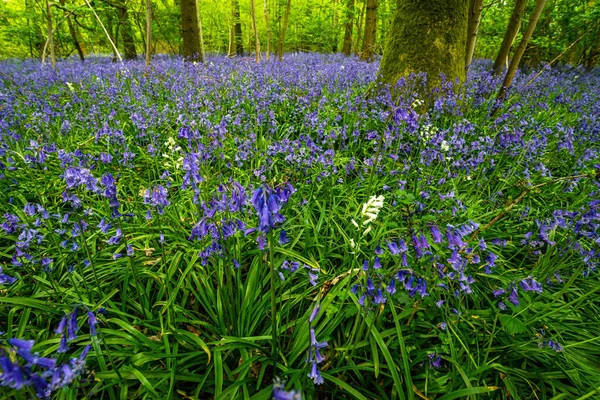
592	58
268	29
106	31
347	49
126	31
50	35
359	27
148	32
286	18
232	31
112	38
334	27
474	20
426	37
509	37
533	54
514	63
190	31
256	41
237	28
200	36
368	44
73	34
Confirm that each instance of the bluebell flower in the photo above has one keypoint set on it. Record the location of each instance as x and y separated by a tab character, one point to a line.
435	361
6	278
279	392
437	235
377	263
283	239
531	285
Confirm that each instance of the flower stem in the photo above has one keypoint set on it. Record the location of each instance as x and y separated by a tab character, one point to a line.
274	349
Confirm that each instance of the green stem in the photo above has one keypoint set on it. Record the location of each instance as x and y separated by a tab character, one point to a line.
274	349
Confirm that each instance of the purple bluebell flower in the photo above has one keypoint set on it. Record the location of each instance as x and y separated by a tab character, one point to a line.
531	285
283	239
435	361
279	392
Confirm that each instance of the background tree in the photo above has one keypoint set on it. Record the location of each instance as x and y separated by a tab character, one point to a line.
284	28
368	44
474	20
348	24
509	37
426	37
255	30
190	31
514	62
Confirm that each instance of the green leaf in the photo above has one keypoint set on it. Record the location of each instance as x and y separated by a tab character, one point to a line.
512	325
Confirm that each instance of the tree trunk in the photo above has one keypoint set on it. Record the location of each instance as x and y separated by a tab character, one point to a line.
126	31
148	32
509	37
73	34
268	29
237	29
592	58
200	36
474	20
50	34
368	44
514	63
190	31
334	28
256	41
286	18
426	37
347	49
359	28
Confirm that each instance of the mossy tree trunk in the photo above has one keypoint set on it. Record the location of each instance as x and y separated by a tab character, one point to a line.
426	36
236	40
509	37
368	44
347	49
190	31
126	30
474	20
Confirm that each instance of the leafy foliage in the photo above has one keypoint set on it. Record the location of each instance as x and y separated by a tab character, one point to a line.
451	254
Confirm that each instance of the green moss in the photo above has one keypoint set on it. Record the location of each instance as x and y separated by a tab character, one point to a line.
427	36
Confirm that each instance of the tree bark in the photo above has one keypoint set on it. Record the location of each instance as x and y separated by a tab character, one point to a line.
514	63
50	35
359	28
592	58
426	37
368	44
474	20
237	28
126	31
509	37
73	34
286	18
256	41
200	35
334	28
190	31
268	29
347	49
148	32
